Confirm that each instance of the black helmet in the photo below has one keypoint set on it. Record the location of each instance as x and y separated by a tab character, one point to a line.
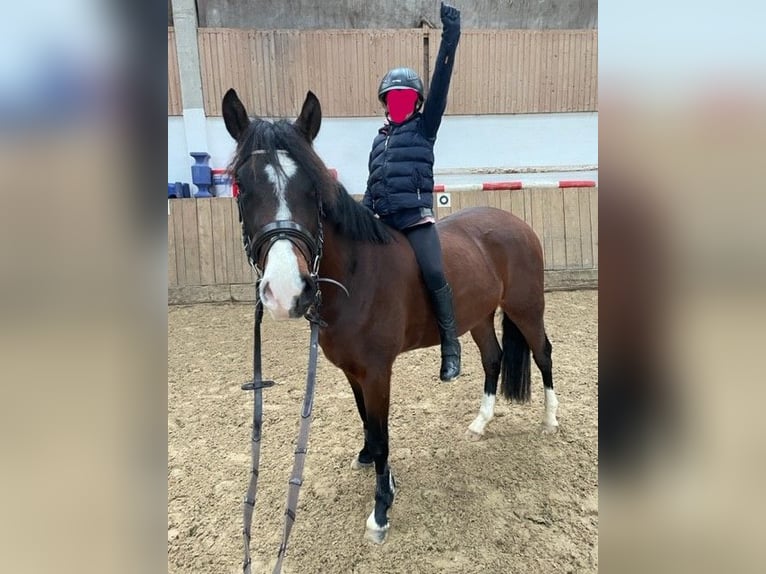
400	78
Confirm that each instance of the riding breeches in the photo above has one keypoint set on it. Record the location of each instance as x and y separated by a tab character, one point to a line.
428	252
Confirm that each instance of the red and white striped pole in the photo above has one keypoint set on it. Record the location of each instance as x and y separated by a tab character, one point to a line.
506	185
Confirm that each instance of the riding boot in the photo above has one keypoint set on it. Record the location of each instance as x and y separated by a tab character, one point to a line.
445	318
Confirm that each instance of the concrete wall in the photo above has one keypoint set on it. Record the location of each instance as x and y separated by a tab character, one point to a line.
464	142
274	14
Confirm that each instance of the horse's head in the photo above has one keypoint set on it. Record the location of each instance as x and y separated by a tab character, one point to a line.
281	181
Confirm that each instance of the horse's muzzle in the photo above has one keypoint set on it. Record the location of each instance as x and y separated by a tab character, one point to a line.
302	303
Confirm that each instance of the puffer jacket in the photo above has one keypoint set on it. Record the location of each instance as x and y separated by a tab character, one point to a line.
401	162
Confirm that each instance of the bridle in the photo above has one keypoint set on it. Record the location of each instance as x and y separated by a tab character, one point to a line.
257	247
295	233
310	246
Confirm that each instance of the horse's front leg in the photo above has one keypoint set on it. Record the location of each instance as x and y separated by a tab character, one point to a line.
376	392
364	458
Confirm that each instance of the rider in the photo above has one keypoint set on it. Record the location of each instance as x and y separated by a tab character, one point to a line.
400	185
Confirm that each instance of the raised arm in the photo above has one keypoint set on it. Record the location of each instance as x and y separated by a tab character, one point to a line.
436	102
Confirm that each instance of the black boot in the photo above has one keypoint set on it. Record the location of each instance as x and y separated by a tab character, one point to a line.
445	317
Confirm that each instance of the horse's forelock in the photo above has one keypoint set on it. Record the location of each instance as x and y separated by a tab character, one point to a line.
270	137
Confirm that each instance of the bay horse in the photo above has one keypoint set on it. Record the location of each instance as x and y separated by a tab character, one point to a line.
296	218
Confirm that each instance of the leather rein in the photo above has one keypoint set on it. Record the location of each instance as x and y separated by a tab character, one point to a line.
257	248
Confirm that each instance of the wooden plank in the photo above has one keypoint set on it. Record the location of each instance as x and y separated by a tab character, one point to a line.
504	200
172	273
230	245
586	239
176	213
457	200
517	202
205	241
554	208
442	212
535	203
572	229
174	82
593	197
241	262
562	57
234	240
199	294
591	72
219	213
495	198
473	199
243	293
526	71
191	240
571	279
541	194
528	206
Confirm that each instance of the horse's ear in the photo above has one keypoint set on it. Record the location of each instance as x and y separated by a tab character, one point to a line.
311	116
234	114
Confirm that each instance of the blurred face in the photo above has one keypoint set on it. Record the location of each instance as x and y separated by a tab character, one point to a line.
400	104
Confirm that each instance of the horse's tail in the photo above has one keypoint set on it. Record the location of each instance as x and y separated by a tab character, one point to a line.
516	375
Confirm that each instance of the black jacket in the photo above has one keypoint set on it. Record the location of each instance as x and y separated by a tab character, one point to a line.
401	181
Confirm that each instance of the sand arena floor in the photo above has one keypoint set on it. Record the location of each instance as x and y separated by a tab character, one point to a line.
516	501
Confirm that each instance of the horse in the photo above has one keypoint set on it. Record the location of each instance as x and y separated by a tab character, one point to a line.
301	227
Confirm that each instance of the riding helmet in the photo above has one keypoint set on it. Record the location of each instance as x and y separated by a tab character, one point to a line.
399	78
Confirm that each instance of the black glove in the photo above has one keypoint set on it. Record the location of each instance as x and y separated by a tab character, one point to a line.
450	16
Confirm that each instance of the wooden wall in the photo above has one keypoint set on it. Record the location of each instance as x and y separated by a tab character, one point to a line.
565	220
272	70
205	252
206	260
497	71
523	71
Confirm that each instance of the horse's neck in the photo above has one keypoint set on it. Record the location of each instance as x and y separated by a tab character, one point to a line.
336	262
354	264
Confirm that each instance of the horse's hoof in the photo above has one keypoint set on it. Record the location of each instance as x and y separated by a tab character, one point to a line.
376	535
546	428
374	532
357	465
473	435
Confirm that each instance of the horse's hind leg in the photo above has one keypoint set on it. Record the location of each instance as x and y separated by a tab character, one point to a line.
532	327
364	458
544	362
491	356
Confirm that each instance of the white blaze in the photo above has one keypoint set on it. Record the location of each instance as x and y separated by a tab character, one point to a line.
281	282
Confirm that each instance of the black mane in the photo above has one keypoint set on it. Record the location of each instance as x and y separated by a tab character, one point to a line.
354	220
351	219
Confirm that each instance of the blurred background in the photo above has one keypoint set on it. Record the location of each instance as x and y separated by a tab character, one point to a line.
82	287
682	102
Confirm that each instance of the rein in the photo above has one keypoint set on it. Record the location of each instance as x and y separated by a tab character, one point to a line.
312	249
296	478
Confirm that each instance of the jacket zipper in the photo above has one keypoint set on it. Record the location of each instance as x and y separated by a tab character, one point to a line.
385	162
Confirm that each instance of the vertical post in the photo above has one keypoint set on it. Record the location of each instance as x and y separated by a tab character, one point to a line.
187	48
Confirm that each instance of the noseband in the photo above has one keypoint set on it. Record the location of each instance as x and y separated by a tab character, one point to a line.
260	244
